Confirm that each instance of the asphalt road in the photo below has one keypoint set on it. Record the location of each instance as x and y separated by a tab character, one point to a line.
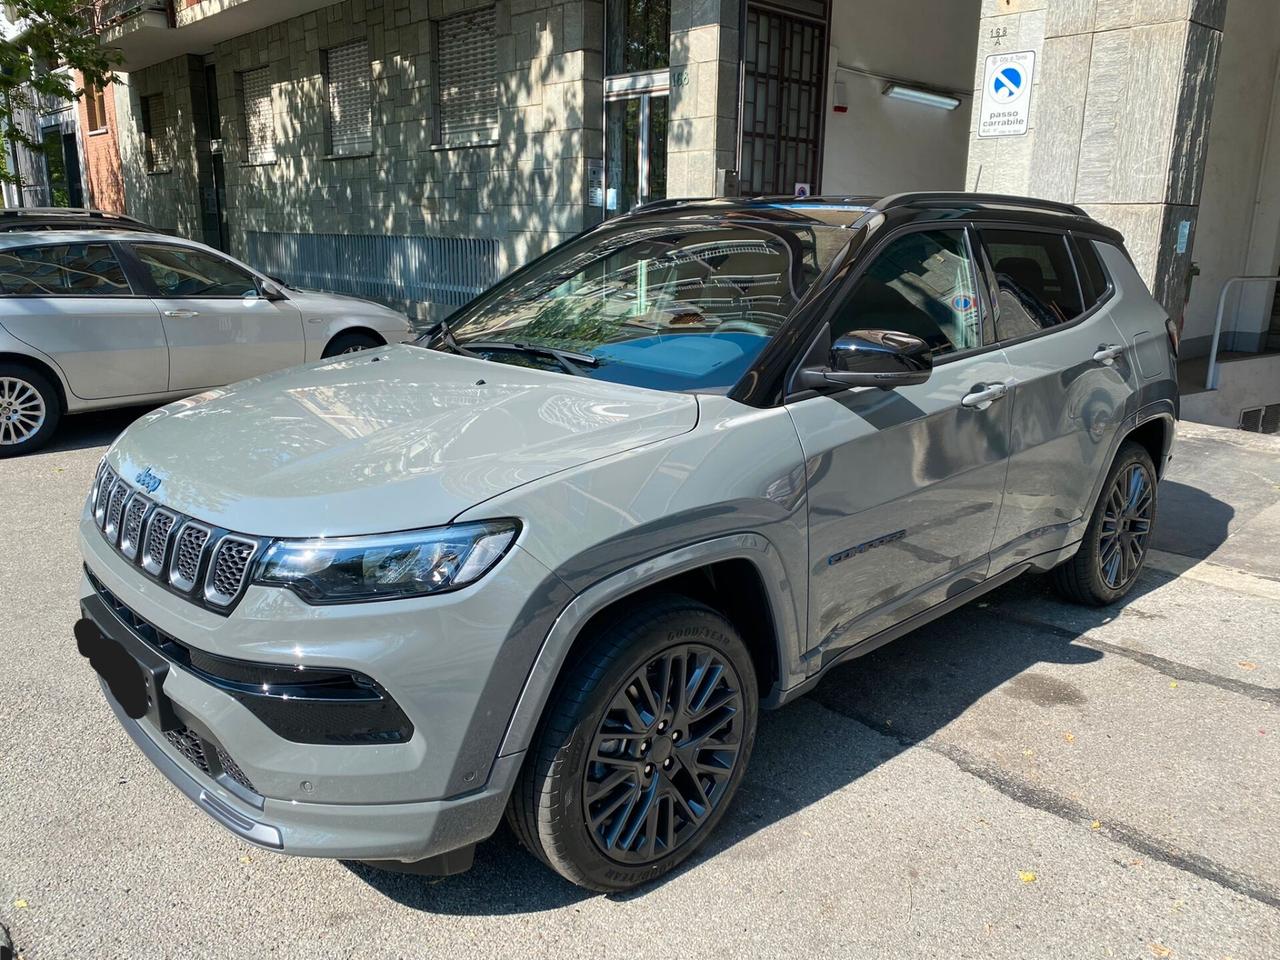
1020	779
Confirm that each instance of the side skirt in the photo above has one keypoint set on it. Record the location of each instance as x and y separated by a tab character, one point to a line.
888	635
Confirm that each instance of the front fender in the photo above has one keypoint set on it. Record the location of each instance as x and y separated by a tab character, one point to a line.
752	547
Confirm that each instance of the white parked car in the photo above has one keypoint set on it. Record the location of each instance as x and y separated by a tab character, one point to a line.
111	318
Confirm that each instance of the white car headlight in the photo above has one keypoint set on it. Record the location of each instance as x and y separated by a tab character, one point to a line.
387	566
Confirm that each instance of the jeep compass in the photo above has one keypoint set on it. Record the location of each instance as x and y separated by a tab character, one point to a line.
551	561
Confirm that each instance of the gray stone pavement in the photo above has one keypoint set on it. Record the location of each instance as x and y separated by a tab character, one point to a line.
1020	779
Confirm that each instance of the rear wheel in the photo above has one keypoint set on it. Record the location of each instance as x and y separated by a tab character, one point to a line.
641	749
29	410
350	343
1118	537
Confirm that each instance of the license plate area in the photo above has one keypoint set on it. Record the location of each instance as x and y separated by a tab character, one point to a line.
133	672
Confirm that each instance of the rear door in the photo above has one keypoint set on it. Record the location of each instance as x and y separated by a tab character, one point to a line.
905	484
73	302
220	327
1070	370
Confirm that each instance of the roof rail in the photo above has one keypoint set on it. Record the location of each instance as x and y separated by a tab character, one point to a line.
672	202
959	197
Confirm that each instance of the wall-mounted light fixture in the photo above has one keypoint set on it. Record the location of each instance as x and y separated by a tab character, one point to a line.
928	98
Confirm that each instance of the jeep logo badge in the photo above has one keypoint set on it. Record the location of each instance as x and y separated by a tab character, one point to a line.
148	481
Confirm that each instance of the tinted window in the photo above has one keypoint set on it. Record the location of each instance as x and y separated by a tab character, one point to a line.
62	269
922	284
1093	279
1035	279
184	272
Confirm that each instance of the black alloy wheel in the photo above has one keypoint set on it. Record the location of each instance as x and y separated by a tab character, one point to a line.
641	747
1126	525
663	754
1118	537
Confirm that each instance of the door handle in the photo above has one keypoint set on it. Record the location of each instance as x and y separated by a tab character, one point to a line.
1108	352
182	313
983	394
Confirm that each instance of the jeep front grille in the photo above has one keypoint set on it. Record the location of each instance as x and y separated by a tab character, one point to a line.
206	564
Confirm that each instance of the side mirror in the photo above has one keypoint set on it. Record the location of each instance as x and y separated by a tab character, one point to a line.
271	290
872	358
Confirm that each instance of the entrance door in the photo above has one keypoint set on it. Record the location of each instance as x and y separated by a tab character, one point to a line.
636	135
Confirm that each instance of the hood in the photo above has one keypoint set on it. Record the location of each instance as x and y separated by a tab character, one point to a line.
388	439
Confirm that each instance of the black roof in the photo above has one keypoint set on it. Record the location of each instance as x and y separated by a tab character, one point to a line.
995	206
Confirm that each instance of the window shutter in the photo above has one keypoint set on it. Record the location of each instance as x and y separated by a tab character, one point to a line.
350	99
155	129
467	74
259	119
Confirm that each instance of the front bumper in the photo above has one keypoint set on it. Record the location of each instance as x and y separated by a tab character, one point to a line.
454	663
379	831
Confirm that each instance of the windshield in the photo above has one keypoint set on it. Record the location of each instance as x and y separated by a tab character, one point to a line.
671	306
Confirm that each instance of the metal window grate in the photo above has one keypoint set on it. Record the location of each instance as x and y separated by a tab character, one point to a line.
396	270
155	133
259	117
784	74
350	88
467	77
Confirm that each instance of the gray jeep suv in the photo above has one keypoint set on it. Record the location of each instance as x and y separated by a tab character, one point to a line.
554	559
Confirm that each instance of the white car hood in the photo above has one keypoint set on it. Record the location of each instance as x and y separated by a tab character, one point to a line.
389	439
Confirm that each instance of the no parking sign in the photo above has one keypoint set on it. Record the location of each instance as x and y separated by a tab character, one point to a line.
1006	94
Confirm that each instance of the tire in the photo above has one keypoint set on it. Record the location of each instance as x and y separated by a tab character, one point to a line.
350	343
30	410
547	809
1100	573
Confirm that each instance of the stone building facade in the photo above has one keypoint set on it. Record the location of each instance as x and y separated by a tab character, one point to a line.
581	109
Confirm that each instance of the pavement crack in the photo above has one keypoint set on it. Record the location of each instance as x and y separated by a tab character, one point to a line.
1170	668
1047	801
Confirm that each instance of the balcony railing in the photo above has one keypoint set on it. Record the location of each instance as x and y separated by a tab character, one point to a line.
102	15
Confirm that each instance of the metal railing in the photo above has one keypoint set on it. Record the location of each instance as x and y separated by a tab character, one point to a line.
395	270
98	15
1211	377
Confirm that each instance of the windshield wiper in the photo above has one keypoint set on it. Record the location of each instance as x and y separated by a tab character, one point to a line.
447	338
569	360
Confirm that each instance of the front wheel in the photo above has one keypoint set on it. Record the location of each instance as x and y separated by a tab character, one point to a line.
641	749
1118	537
350	343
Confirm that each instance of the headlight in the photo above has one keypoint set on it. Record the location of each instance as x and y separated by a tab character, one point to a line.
387	566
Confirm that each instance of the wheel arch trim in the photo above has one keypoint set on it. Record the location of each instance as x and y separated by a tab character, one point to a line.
548	663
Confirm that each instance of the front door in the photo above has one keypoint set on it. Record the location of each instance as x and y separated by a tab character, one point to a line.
636	143
220	328
905	485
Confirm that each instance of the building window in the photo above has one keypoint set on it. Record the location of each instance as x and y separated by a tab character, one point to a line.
95	105
639	36
467	77
258	116
349	84
155	133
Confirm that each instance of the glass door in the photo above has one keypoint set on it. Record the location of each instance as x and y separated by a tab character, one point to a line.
636	92
636	147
